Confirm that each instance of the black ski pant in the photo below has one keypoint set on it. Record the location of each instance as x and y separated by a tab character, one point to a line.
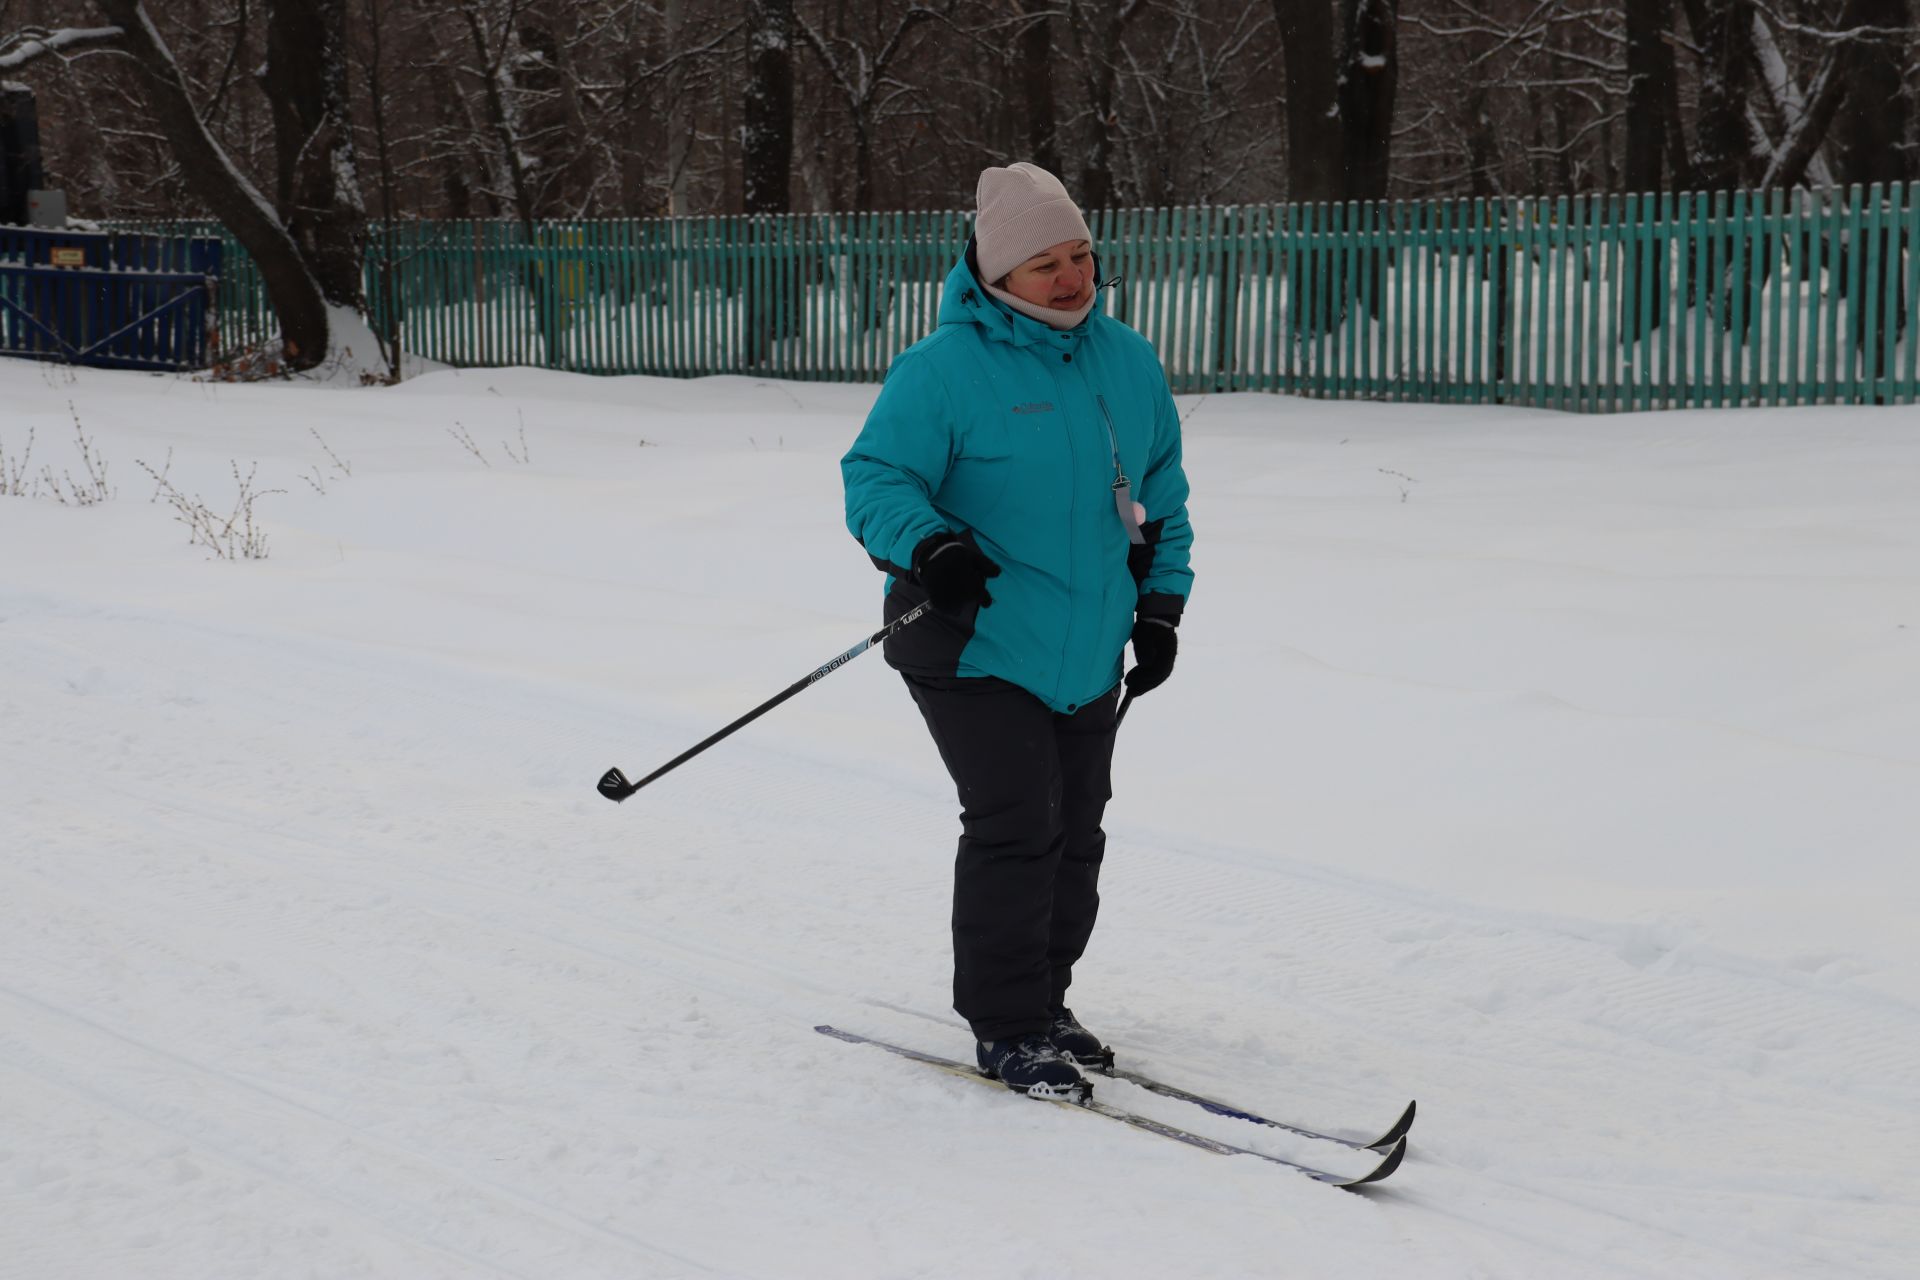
1033	784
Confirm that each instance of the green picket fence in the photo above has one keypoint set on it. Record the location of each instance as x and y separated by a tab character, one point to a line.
1588	303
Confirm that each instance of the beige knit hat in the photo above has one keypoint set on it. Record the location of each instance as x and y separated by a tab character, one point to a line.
1022	210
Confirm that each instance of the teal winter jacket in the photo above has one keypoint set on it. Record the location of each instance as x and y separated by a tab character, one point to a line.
1004	430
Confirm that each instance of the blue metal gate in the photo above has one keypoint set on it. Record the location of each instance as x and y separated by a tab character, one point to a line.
116	300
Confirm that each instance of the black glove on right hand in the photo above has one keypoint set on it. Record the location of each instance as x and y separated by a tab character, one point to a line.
953	571
1155	643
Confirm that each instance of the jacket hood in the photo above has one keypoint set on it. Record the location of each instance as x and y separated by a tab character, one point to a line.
963	300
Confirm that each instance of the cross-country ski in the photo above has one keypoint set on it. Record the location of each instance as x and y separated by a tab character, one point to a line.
1393	1151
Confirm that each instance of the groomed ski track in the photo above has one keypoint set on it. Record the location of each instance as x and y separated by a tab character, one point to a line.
320	955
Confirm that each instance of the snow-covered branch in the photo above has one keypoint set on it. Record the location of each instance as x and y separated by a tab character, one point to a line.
1805	134
25	47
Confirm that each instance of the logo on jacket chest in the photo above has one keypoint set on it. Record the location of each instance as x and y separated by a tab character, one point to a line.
1034	406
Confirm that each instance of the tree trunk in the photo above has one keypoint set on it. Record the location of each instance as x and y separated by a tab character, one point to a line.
1483	145
1831	85
679	123
291	287
1649	89
1366	94
1036	79
1314	142
502	117
862	161
317	186
1562	149
1872	127
500	93
388	322
767	155
1720	142
555	130
1783	94
767	140
1102	73
1649	64
1483	158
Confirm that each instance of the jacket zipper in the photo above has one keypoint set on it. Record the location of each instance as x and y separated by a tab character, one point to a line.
1119	476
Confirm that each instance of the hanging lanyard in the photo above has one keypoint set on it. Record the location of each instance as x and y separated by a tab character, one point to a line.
1122	487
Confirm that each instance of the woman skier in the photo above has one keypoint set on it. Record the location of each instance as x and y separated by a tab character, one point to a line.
1021	470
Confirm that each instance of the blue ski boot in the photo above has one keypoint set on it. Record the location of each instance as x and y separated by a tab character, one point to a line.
1076	1043
1032	1066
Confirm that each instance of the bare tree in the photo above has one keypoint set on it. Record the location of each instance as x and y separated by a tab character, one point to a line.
767	141
542	111
1101	26
1877	113
291	285
493	39
1369	81
570	159
1194	71
679	120
1650	93
1314	160
1806	133
1720	141
767	146
863	75
1649	74
21	168
1036	70
387	319
317	189
1785	101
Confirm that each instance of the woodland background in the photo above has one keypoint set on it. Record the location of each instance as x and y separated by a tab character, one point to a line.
293	124
548	109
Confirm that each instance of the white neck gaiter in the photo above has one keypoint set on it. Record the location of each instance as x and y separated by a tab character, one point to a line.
1046	315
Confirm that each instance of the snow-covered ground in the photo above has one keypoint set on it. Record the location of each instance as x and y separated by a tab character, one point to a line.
1561	772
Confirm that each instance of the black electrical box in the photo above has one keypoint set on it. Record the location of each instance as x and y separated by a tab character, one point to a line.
20	170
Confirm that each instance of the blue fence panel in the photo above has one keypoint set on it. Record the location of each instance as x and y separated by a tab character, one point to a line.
138	302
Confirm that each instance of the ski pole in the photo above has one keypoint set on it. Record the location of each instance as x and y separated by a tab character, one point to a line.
614	785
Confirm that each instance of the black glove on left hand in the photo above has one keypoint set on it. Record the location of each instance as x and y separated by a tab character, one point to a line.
953	571
1154	644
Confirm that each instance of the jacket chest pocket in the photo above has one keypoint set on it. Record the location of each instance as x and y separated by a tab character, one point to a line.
978	475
